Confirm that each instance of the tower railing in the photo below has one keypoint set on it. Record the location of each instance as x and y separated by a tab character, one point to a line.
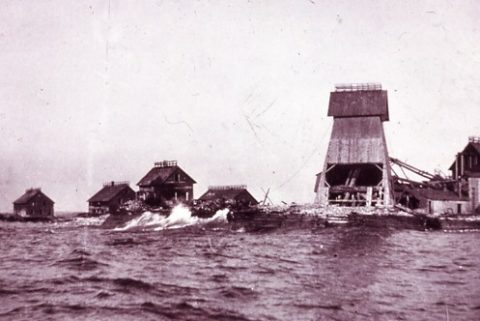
166	163
227	187
116	183
358	86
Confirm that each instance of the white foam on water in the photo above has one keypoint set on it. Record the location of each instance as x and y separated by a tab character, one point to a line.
146	220
89	221
180	216
219	217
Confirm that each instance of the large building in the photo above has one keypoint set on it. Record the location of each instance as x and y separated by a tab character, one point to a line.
356	171
33	203
165	183
233	193
109	198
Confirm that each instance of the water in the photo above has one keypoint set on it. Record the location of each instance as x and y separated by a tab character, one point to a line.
191	269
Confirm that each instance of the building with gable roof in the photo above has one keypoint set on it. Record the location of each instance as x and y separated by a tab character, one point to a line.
33	203
467	162
235	193
166	182
109	198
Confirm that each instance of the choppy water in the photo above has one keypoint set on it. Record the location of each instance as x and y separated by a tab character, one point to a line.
71	271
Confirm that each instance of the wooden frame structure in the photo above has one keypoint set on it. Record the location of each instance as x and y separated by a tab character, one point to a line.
357	170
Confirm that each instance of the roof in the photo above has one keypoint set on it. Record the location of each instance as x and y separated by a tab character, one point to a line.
108	192
226	192
29	195
441	195
359	103
160	173
476	147
433	194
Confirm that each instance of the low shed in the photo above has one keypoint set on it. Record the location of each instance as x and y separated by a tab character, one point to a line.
236	193
110	197
433	200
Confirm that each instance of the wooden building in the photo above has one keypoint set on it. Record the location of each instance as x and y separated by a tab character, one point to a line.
467	162
432	201
356	170
166	183
466	172
33	203
109	198
233	193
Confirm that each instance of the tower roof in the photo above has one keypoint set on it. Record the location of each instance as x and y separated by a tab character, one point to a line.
357	100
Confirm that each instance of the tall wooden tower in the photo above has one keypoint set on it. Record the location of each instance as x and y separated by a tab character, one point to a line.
357	166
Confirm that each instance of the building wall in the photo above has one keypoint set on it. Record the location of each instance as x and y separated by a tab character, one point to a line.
357	140
450	207
474	191
98	208
157	195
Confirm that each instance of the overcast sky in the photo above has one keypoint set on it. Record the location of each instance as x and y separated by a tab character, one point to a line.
236	91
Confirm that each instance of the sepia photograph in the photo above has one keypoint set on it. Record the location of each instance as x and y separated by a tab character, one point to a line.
244	160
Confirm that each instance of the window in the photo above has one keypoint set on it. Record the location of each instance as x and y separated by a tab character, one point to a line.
459	208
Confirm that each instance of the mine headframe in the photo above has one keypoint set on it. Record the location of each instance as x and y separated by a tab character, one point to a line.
356	170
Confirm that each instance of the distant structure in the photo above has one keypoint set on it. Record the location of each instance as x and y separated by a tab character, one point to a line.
356	170
33	203
236	193
166	182
466	171
467	162
109	198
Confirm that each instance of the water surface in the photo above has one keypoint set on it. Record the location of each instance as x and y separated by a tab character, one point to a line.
71	272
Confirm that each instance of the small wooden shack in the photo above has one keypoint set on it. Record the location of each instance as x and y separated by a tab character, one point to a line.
235	193
33	203
109	198
165	183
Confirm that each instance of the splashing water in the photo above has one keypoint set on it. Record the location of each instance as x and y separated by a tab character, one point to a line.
147	219
87	221
180	217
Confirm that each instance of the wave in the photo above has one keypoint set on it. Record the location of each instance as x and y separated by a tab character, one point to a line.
80	260
179	217
90	221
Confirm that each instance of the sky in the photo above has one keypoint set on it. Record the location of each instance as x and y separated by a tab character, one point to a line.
235	91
